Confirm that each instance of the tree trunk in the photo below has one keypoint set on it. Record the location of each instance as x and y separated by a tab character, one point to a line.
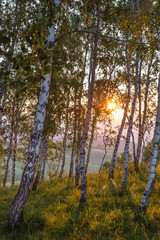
59	161
65	138
91	141
143	146
126	149
16	209
10	144
14	157
76	168
134	146
142	126
137	156
79	123
17	113
44	148
74	139
153	162
105	152
2	107
43	168
88	114
113	160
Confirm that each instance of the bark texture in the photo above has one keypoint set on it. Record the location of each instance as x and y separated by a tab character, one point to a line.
126	149
91	141
153	162
44	148
76	167
65	138
74	139
105	152
82	171
59	161
14	156
44	167
16	209
79	122
142	120
10	144
2	107
113	160
17	115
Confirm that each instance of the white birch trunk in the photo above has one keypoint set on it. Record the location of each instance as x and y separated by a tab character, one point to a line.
14	156
65	139
153	162
79	123
2	107
16	209
91	141
142	127
44	147
17	116
10	144
74	140
44	167
126	149
76	167
134	146
105	152
113	160
88	115
59	161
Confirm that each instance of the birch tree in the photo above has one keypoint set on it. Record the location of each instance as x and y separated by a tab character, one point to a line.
153	162
44	147
17	115
91	141
74	138
65	135
143	118
129	131
135	10
16	208
113	160
88	114
10	142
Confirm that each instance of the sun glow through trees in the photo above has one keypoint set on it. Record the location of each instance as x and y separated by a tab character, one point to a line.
112	106
116	111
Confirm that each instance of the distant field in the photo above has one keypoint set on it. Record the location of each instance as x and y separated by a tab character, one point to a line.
95	159
94	164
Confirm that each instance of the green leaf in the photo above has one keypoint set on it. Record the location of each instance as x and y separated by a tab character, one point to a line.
39	16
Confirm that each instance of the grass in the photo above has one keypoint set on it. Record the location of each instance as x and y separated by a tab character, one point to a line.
53	212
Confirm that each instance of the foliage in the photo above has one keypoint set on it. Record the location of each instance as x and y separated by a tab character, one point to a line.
106	165
147	153
119	161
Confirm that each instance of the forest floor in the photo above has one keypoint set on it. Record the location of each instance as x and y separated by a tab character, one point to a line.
53	212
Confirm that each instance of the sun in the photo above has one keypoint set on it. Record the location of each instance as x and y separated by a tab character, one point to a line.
116	111
112	106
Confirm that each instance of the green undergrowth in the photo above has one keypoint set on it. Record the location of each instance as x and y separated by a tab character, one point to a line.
54	212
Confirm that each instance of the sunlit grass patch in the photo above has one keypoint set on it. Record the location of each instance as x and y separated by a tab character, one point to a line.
53	212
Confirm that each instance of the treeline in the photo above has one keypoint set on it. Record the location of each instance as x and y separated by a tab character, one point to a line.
62	64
